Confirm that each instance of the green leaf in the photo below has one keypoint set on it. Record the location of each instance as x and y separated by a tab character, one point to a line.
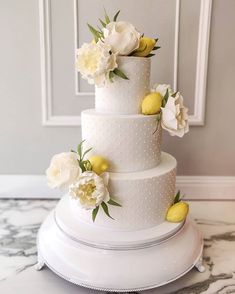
107	19
177	197
156	40
73	151
88	150
174	94
150	55
102	22
87	165
121	74
158	117
142	35
95	33
111	76
79	148
94	213
156	48
116	15
82	166
106	209
165	98
112	202
158	122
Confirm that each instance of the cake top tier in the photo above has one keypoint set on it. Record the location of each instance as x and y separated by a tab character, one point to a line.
125	96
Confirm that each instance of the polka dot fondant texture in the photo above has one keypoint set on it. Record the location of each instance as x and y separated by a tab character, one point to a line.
125	96
127	141
145	197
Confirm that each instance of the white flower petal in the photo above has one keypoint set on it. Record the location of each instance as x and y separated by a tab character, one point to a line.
63	170
94	62
122	37
86	197
175	116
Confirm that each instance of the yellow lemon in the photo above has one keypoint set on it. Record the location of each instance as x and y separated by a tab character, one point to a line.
99	164
152	103
177	212
145	47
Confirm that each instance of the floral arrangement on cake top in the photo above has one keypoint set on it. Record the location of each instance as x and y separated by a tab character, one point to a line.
85	179
97	61
172	115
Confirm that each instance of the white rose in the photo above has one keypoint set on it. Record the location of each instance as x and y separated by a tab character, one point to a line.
175	116
162	88
94	61
63	170
90	190
122	37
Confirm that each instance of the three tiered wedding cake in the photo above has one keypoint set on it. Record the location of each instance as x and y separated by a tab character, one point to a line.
120	226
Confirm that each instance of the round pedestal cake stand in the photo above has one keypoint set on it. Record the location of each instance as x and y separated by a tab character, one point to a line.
131	261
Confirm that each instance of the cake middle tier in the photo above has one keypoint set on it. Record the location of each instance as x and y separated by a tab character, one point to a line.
129	142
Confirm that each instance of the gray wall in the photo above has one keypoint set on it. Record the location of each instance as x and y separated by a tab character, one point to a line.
27	145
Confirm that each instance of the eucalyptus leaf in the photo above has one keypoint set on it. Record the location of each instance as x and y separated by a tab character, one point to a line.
177	197
116	15
120	74
112	202
94	213
106	209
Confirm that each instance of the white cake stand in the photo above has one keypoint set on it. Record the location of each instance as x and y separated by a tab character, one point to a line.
117	261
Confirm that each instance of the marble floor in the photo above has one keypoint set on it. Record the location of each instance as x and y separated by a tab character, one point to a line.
21	219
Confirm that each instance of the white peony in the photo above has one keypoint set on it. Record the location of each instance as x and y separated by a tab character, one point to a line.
175	116
162	88
90	190
95	61
63	170
122	37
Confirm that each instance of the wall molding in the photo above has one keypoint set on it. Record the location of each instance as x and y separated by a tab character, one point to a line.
194	187
78	92
195	119
48	118
198	117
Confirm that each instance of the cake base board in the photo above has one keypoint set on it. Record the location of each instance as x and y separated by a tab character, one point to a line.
119	270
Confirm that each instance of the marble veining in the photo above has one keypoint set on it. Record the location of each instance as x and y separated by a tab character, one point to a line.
21	219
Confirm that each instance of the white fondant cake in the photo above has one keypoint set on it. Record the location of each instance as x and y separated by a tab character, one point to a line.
125	96
145	197
121	216
127	141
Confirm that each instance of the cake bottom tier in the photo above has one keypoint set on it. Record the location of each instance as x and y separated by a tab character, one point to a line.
144	196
